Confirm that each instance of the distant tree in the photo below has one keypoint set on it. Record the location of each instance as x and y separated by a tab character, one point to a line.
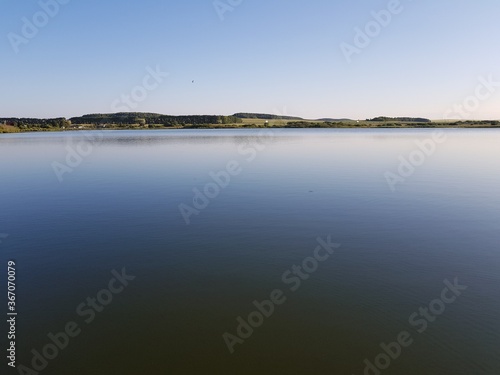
399	119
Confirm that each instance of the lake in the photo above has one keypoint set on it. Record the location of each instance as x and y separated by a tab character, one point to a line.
253	251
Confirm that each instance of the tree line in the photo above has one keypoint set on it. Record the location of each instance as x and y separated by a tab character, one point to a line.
264	116
153	119
399	119
119	119
28	123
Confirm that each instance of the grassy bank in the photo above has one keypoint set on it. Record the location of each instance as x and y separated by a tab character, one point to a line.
249	123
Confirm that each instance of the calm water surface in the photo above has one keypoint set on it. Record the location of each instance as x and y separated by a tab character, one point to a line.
119	207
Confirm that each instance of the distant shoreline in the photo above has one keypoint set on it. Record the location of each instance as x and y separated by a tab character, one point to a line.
145	121
11	130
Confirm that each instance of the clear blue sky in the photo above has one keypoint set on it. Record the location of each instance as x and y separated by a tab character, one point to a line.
266	56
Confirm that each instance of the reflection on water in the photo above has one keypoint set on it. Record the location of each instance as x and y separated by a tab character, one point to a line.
119	207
